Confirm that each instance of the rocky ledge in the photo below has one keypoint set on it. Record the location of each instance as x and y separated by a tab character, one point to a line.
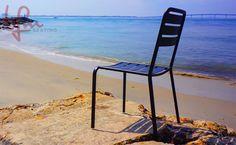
14	22
190	132
67	121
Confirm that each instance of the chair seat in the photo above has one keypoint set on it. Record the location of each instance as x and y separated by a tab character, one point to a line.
136	68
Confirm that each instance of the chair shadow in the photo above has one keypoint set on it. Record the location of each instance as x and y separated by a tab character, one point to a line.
143	125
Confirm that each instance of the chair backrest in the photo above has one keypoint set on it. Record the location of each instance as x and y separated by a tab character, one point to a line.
169	33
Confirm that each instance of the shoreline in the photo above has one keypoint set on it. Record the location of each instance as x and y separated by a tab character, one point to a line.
107	61
180	72
104	60
28	79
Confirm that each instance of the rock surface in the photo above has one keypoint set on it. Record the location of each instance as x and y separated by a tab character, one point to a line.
67	121
6	23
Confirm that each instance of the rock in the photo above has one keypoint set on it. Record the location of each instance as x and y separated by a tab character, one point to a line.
147	114
108	94
190	131
142	138
220	129
182	119
14	21
4	141
64	120
149	143
67	121
60	105
231	132
200	141
37	111
16	113
214	140
221	140
161	116
144	112
170	133
105	93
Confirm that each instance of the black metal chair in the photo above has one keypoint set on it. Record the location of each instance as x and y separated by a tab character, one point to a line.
169	36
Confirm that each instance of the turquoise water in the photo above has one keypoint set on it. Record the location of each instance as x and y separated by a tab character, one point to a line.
207	46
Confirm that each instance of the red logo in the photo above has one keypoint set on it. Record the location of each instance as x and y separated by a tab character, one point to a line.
18	28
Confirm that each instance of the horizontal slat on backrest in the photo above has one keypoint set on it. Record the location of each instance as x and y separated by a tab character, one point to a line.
175	10
168	41
170	30
174	19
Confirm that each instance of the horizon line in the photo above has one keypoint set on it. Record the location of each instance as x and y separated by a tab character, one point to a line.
206	14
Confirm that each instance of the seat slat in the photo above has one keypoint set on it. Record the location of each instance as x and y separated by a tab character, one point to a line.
168	41
145	69
170	30
158	70
174	19
130	66
138	67
119	65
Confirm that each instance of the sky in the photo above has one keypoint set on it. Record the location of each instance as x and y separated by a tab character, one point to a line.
117	7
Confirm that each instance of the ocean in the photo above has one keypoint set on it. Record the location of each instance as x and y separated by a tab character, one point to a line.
207	45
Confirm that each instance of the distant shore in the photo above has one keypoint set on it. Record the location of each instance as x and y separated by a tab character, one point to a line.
27	79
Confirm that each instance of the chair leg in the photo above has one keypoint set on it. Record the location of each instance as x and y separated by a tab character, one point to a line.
174	95
93	98
124	91
152	102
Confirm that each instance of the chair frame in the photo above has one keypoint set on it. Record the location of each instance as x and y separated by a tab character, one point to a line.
168	17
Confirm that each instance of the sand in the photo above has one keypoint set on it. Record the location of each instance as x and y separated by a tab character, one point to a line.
27	79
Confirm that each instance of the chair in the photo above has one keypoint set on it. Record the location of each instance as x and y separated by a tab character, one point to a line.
169	36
